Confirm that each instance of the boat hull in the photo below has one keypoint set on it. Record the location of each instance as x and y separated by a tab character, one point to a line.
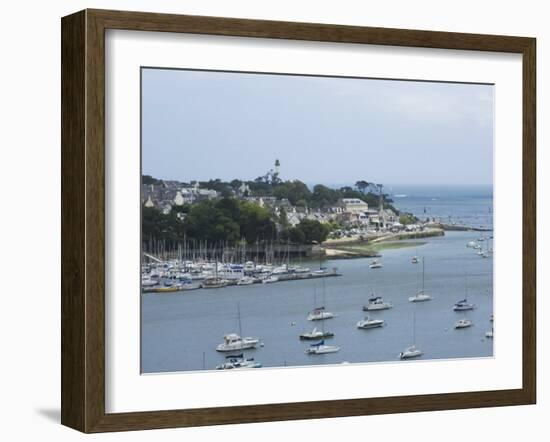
321	350
369	325
306	337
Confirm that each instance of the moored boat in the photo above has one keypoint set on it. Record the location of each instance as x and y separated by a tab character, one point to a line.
410	352
375	264
421	295
376	303
213	283
319	314
316	334
233	341
238	362
320	348
463	323
368	323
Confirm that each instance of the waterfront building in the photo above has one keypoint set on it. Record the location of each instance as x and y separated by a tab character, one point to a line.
354	205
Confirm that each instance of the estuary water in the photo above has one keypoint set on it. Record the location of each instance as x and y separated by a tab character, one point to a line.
466	205
180	331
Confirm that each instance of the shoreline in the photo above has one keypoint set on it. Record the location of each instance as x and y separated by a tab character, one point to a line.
352	248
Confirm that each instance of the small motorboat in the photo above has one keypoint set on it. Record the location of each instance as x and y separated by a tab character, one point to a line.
233	341
316	334
463	305
411	352
270	280
320	348
246	280
489	334
238	362
368	323
319	314
375	264
463	323
415	260
376	303
167	289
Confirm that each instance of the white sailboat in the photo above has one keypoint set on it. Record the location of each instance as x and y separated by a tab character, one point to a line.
463	304
319	313
412	351
234	341
421	296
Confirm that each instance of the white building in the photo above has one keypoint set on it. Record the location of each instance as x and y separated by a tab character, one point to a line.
354	205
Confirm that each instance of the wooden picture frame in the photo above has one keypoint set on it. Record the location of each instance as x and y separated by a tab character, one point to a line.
83	220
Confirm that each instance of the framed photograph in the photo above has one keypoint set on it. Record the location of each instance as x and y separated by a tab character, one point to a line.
268	220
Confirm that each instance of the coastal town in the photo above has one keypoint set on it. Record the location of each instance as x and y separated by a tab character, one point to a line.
282	213
267	230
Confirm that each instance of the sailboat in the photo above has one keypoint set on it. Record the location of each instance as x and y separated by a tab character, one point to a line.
320	348
420	295
214	282
234	341
412	351
319	313
464	304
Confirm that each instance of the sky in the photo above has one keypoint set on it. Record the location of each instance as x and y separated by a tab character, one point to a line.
200	125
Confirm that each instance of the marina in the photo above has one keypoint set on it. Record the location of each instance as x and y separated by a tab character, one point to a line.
181	330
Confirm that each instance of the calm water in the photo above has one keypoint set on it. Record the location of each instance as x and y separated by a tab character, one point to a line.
467	205
180	331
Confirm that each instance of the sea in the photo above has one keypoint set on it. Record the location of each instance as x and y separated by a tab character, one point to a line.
180	331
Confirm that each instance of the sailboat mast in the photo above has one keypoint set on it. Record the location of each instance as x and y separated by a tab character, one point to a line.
422	274
414	328
239	317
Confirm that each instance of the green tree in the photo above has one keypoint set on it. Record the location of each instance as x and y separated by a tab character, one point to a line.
313	231
255	222
362	185
148	179
293	235
407	218
294	191
324	196
207	221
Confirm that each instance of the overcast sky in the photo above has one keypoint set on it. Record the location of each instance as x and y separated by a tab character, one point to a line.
199	125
